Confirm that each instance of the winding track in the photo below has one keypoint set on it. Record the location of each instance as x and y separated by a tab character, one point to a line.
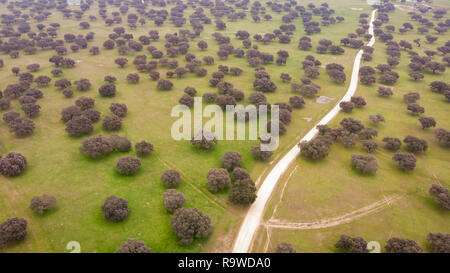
256	211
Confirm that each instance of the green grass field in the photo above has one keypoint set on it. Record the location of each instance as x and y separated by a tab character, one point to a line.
329	188
81	185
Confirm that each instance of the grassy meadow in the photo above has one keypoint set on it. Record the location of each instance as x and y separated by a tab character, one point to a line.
56	167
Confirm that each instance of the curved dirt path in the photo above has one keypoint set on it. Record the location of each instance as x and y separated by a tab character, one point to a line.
255	213
335	221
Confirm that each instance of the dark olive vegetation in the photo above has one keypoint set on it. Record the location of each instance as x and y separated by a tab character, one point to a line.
13	164
351	244
115	209
285	248
231	160
119	143
439	242
41	204
366	164
128	165
204	139
13	230
397	245
143	148
190	224
243	192
173	200
112	123
315	149
218	179
133	246
96	146
441	196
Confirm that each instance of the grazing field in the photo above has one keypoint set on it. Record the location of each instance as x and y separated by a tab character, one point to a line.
311	191
81	184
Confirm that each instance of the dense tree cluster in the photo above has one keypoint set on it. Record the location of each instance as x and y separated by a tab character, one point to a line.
190	224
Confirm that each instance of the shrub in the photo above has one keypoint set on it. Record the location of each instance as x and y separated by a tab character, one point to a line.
143	148
31	110
41	204
13	230
204	139
351	125
21	127
370	145
10	117
112	123
375	119
164	84
439	243
385	91
358	101
396	245
84	103
209	97
115	209
133	246
121	144
346	106
392	143
427	122
96	146
285	248
296	101
4	104
352	244
92	114
190	224
133	78
68	92
118	109
231	160
239	174
13	164
365	164
186	100
173	200
441	196
79	125
443	136
243	192
69	112
128	165
405	161
315	149
415	145
171	178
218	179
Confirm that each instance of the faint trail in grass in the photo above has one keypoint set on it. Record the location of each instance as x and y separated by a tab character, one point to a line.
335	221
